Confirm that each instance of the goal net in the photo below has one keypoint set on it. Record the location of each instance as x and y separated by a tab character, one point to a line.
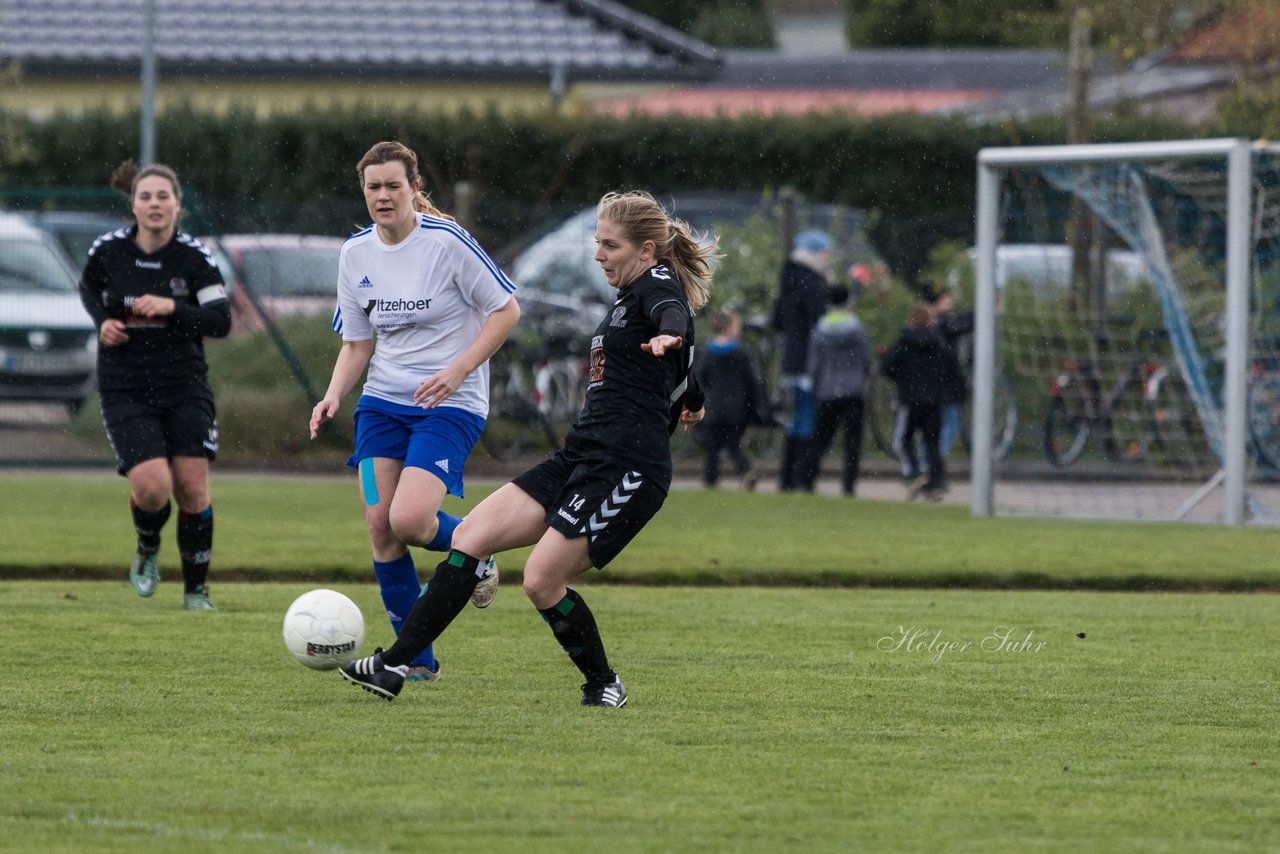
1128	299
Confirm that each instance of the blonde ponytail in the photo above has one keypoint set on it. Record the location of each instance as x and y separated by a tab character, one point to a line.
641	218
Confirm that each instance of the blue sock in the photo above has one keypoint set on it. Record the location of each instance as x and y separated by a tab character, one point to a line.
444	536
398	583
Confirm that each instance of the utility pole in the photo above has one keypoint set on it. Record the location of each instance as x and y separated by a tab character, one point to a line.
147	152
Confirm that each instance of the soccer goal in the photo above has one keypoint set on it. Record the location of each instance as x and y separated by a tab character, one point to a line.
1129	297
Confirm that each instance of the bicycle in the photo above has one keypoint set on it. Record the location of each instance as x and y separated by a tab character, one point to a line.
535	390
1122	416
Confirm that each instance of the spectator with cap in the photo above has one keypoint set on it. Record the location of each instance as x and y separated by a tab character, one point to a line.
800	303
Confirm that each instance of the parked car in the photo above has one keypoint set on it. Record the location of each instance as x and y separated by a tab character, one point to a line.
286	274
561	264
48	342
75	231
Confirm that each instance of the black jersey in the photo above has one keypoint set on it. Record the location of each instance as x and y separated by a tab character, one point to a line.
633	397
163	354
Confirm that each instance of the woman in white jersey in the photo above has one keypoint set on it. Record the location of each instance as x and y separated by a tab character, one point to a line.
440	308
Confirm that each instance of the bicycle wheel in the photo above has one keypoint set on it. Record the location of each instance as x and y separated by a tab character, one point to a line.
1004	415
561	390
1065	434
1173	420
882	413
1264	417
511	408
1130	433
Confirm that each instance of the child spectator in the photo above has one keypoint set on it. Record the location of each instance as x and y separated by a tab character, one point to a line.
839	357
926	371
733	397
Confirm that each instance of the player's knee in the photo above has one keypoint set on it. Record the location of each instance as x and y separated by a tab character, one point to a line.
412	527
542	591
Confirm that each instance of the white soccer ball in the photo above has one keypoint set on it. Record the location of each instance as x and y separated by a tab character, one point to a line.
323	629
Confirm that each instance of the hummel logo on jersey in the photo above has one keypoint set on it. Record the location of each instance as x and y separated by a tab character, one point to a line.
365	283
443	465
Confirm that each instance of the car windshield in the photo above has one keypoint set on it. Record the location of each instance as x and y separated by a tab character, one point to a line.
310	271
29	265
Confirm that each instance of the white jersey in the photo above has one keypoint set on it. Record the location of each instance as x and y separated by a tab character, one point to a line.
427	297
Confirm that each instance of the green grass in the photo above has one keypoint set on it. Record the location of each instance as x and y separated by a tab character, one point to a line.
271	528
760	720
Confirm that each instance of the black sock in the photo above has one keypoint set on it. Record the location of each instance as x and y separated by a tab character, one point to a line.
195	545
442	599
574	626
148	524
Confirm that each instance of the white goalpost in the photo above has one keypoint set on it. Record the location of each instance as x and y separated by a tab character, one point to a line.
1129	297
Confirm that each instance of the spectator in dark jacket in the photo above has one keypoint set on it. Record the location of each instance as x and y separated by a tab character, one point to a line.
839	358
733	397
801	301
926	372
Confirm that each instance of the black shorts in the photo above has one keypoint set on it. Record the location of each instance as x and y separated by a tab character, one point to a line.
142	429
607	502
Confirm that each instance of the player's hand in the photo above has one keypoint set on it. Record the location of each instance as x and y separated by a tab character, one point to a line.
658	345
324	411
691	419
436	390
151	305
112	333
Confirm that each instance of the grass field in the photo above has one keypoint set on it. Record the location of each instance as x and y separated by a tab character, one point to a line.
760	720
281	528
764	716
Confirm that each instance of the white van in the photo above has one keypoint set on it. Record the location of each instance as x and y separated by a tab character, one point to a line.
48	342
1046	267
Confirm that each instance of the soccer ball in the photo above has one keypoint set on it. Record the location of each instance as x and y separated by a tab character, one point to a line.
323	629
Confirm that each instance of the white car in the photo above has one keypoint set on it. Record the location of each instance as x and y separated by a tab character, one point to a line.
48	342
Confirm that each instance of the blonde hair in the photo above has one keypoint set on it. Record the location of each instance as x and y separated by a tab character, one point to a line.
385	152
641	218
126	176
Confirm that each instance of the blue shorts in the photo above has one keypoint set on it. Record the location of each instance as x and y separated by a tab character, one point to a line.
437	440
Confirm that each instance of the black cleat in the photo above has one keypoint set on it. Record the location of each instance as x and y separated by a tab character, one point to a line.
374	676
608	694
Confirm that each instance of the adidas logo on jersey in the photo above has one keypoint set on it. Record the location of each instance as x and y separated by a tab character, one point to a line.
443	465
365	283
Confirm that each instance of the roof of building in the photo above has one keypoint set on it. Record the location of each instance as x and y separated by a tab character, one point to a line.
893	68
594	40
1141	86
1249	33
857	82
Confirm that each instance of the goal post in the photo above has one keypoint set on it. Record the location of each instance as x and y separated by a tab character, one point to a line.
1153	201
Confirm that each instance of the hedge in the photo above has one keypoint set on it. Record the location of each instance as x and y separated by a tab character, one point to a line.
295	171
